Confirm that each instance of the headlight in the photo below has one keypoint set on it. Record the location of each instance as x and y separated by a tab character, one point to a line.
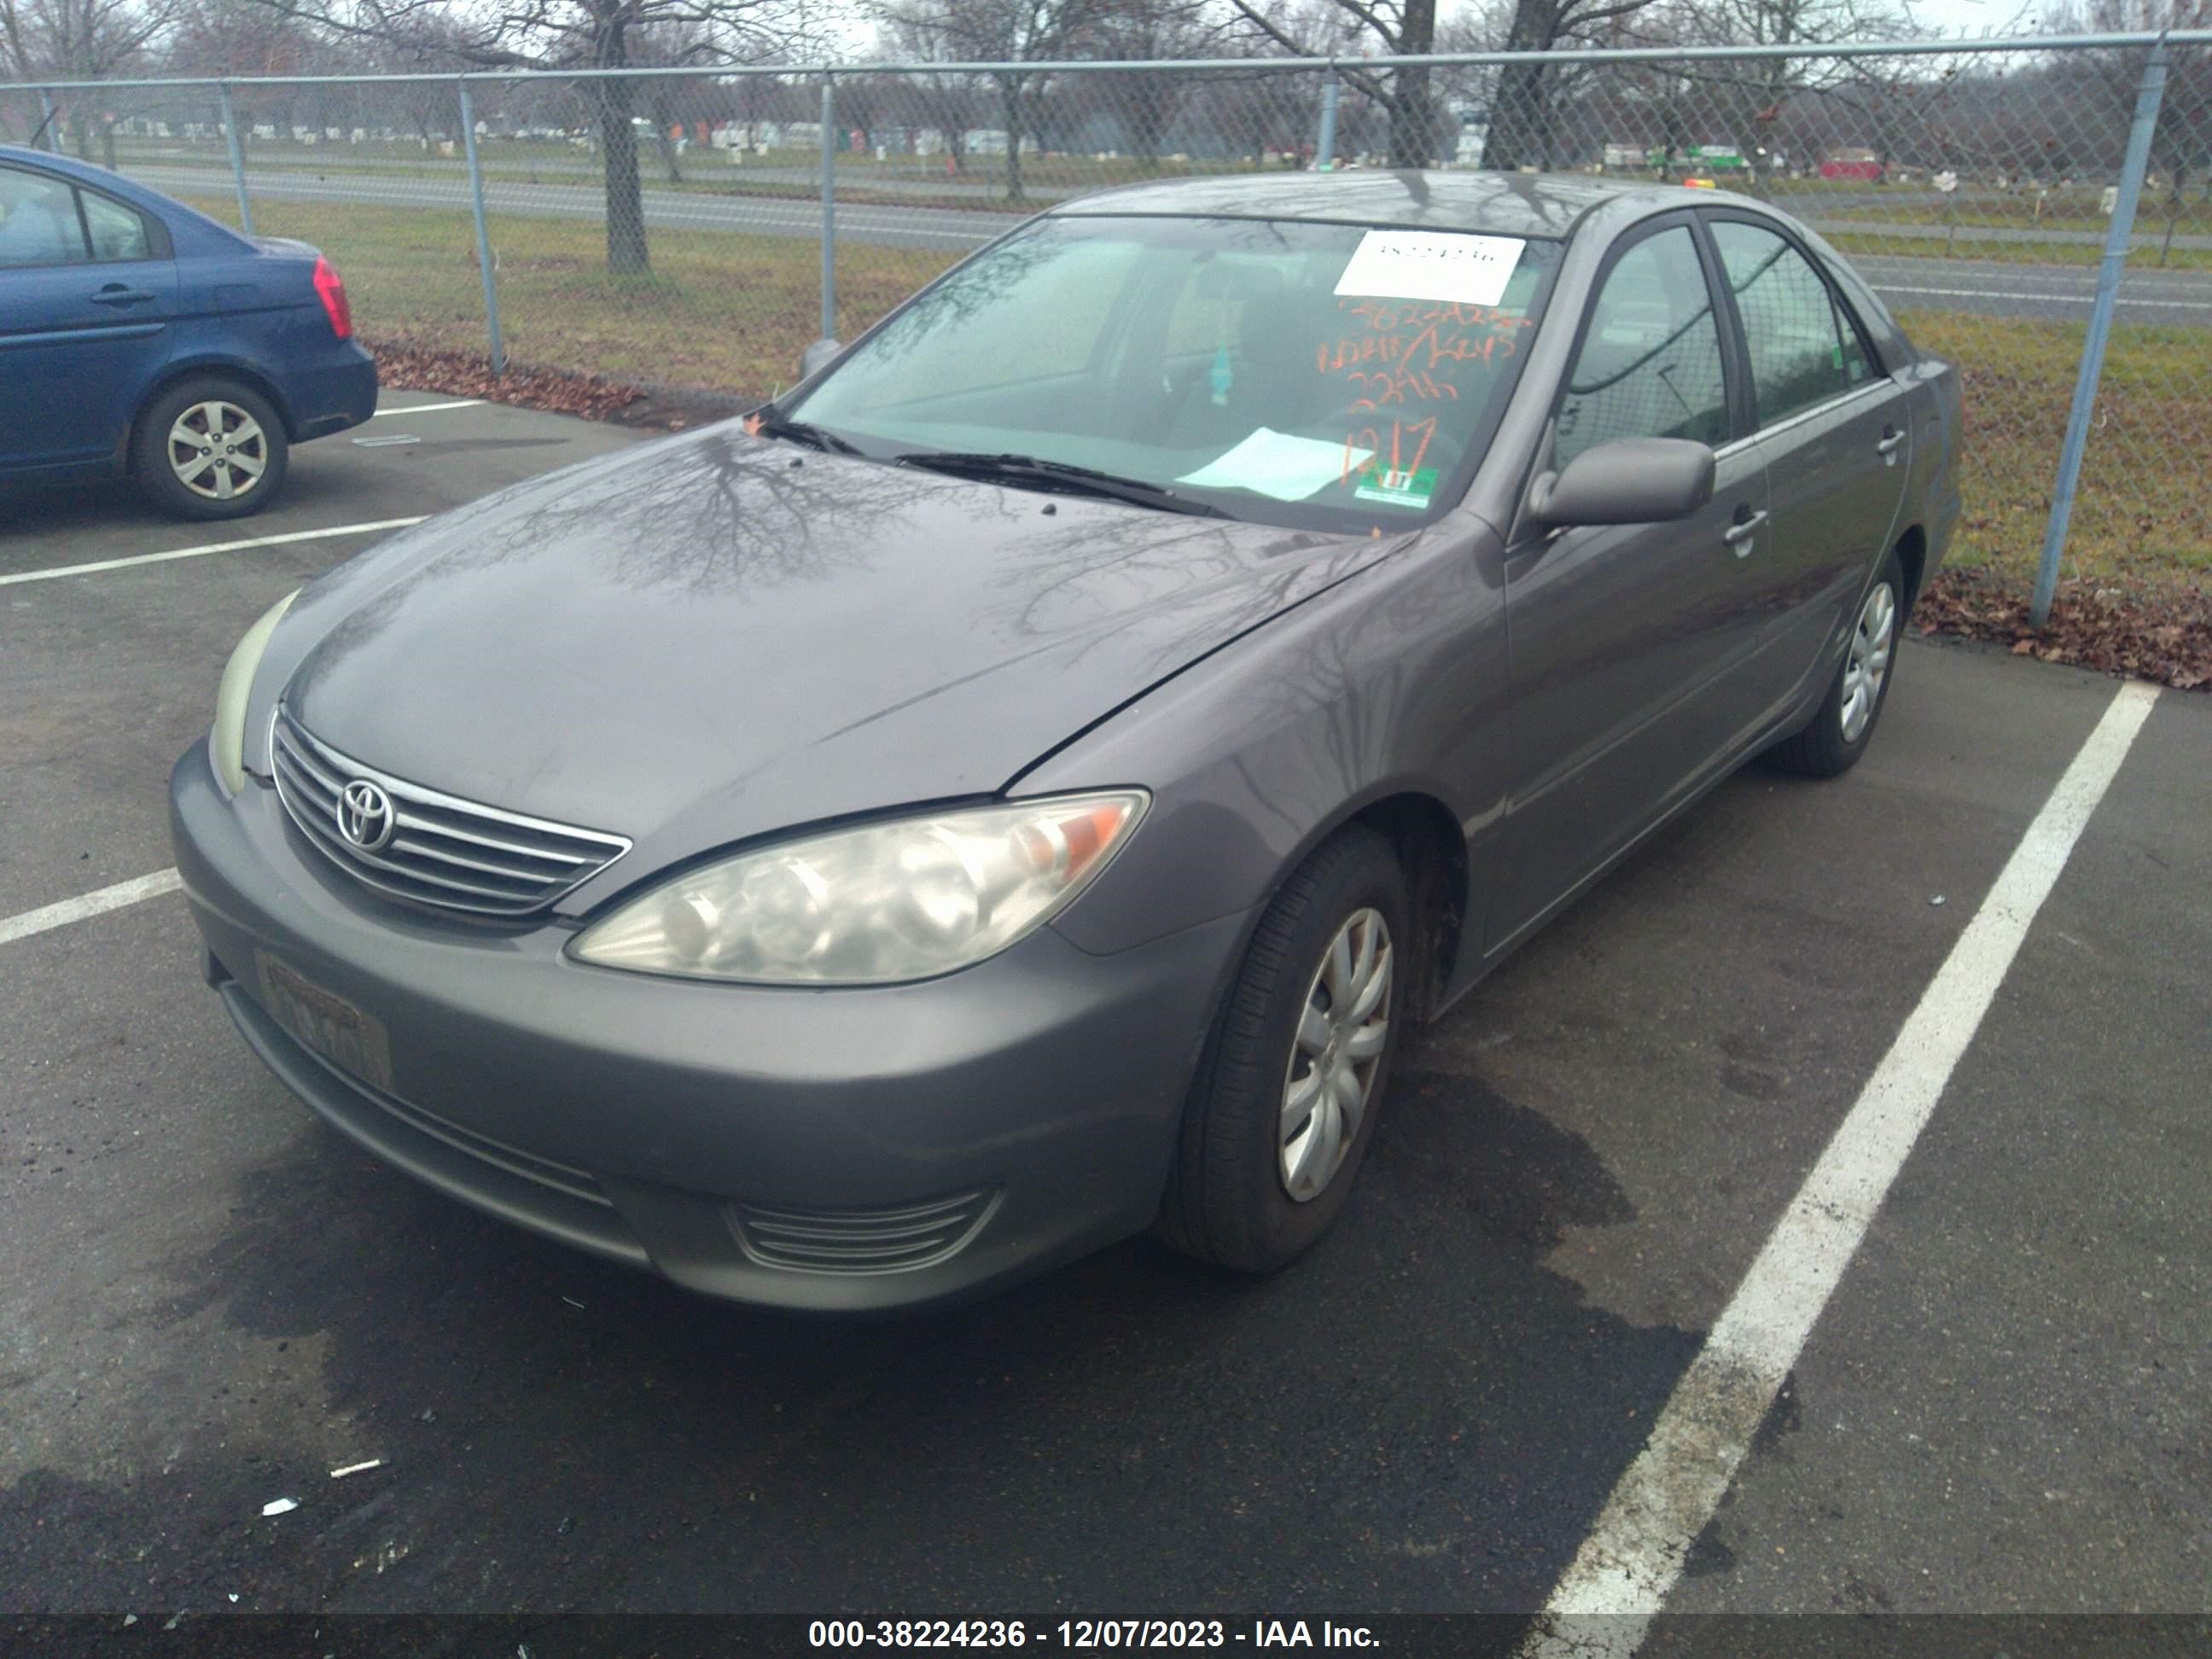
871	906
227	740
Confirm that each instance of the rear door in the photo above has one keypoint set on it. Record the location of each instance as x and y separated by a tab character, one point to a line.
88	302
1627	640
1835	429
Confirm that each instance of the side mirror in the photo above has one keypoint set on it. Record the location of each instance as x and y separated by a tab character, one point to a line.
818	356
1628	481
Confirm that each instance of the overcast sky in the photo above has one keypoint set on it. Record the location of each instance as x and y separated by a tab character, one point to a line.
1951	17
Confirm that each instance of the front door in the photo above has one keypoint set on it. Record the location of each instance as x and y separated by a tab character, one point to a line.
1624	639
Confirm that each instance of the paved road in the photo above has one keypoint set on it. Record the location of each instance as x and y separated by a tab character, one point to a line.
214	1302
1986	288
1994	288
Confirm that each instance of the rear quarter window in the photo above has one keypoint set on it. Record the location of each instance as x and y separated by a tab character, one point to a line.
118	232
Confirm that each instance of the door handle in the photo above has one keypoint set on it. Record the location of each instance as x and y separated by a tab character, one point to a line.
116	294
1891	437
1739	534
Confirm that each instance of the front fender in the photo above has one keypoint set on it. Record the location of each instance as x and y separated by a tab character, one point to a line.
1394	683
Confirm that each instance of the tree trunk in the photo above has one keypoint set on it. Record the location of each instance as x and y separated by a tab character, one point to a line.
668	156
2173	211
1412	122
1010	102
1520	119
107	155
1520	114
626	249
1147	107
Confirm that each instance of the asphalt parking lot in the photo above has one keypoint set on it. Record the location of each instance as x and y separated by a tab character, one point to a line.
212	1300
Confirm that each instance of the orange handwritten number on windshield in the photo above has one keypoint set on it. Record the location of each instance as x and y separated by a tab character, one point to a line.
1362	444
1415	426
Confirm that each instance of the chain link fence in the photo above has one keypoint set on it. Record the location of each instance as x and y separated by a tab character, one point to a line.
700	228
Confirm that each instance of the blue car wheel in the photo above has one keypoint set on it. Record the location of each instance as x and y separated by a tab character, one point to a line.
211	448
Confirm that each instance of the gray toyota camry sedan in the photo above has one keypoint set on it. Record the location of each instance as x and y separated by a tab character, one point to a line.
1017	789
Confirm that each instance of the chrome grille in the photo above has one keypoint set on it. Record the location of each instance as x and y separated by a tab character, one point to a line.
451	854
861	1241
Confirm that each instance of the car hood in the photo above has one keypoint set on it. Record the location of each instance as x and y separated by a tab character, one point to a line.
715	636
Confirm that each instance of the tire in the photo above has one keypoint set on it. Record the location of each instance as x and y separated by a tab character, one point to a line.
253	436
1829	744
1230	1199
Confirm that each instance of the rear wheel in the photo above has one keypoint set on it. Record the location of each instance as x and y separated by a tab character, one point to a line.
1284	1107
1838	735
211	448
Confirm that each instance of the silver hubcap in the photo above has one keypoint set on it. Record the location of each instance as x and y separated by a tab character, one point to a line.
1868	666
217	450
1341	1032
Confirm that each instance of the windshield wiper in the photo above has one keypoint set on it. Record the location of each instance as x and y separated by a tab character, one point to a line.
1038	473
767	423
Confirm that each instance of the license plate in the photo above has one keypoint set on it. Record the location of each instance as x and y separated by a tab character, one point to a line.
326	1022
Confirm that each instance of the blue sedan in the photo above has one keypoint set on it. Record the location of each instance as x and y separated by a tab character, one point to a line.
139	337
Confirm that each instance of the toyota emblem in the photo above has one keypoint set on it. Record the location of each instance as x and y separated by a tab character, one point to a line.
365	817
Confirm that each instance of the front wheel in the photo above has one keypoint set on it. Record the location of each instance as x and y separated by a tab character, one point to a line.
211	448
1838	735
1284	1105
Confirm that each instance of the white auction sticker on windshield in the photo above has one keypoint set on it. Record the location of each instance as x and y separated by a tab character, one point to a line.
1428	265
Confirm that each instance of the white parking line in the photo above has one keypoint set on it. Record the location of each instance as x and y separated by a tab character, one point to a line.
427	409
59	571
1605	1601
88	904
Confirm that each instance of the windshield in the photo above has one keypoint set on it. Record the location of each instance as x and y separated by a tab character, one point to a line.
1322	376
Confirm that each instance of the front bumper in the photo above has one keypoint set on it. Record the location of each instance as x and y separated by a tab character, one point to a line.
658	1121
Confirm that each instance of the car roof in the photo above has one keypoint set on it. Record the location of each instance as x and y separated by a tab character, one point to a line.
1537	204
83	172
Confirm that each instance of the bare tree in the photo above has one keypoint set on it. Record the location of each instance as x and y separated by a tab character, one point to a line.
1012	31
580	34
1336	28
946	105
1146	102
2181	144
15	52
80	40
1747	96
1529	99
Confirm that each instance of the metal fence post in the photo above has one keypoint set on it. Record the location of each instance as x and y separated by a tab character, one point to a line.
828	206
237	158
2137	163
1325	155
50	139
484	235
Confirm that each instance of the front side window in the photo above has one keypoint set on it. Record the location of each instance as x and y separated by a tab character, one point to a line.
38	220
1320	376
1801	352
1649	366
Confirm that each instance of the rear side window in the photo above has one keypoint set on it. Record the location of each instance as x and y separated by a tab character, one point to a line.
117	232
1802	352
38	220
1651	365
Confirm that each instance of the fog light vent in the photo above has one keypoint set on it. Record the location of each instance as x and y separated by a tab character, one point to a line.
861	1241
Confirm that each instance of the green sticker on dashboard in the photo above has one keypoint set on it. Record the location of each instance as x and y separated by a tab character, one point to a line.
1397	489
